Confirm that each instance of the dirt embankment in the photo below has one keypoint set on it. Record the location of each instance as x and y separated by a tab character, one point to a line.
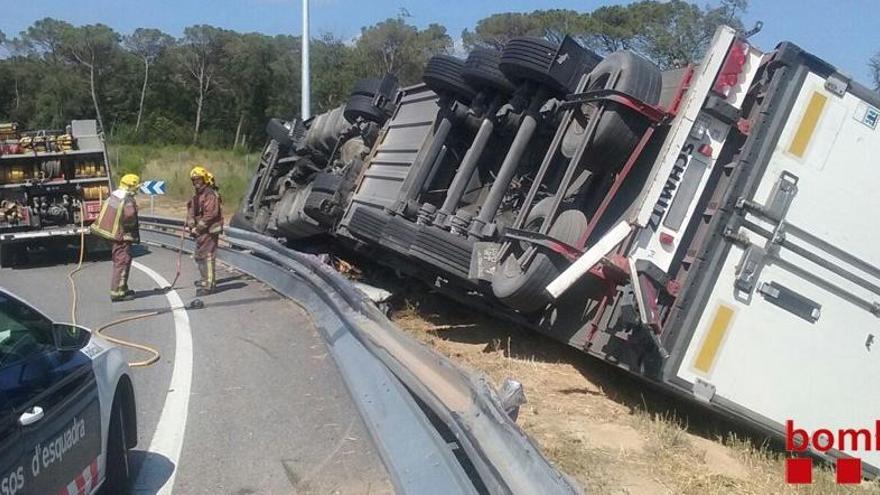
609	430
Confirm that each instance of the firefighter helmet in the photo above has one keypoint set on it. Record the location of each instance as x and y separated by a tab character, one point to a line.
202	173
130	182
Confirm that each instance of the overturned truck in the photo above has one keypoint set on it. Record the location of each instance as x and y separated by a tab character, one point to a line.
701	227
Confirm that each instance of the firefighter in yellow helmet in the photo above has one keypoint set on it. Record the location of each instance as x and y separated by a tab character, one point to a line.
205	223
118	223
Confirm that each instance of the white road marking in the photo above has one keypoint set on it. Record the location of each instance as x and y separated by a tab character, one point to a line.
168	439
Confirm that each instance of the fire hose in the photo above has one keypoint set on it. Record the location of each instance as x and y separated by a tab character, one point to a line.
154	353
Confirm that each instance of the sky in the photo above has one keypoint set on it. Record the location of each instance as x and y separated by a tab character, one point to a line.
844	33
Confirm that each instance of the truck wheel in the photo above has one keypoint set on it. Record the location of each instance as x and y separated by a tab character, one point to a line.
443	74
620	129
556	67
481	71
323	190
527	59
524	290
362	106
279	132
369	86
118	462
360	101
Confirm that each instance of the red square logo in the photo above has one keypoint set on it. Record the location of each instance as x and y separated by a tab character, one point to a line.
849	471
799	470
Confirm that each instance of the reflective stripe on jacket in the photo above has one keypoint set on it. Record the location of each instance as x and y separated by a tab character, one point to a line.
118	219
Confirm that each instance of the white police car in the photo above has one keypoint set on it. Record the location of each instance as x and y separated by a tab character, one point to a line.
67	410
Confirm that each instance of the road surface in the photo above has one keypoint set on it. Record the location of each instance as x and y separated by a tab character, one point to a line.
266	412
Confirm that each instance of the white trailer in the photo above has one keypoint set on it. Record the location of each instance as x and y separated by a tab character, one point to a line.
754	265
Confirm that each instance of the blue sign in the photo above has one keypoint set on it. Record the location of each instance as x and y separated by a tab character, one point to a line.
153	187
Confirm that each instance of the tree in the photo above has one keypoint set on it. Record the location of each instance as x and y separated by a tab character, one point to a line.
676	32
45	37
91	47
200	55
147	45
14	64
284	99
400	48
612	28
334	71
249	80
51	88
497	29
669	33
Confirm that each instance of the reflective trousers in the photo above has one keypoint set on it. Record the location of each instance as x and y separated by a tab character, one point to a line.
121	268
205	256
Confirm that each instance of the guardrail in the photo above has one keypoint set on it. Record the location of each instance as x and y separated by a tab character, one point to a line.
500	457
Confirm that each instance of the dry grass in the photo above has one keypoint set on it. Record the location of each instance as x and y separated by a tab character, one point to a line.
172	164
609	430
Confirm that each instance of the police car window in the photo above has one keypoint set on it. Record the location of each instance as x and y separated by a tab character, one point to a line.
23	332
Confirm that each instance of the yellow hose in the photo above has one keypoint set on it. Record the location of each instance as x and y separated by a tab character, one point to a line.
136	364
82	250
100	330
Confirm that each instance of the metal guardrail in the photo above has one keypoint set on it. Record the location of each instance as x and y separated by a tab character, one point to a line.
500	457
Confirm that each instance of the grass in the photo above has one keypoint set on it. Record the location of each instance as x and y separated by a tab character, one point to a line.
233	169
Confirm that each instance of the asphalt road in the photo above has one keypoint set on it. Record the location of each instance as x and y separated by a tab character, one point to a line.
267	410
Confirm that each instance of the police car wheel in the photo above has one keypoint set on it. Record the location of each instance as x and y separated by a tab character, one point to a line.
118	465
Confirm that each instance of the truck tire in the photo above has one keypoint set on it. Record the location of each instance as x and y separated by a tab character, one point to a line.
481	71
362	106
367	87
619	130
525	290
443	74
279	132
360	101
558	68
323	191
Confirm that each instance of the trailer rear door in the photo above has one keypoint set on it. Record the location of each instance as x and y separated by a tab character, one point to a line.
790	329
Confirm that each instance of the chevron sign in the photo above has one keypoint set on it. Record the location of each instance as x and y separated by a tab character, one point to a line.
153	187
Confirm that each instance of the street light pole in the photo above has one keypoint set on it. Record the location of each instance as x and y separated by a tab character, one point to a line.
305	102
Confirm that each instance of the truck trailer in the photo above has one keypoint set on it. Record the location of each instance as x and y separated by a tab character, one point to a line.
701	227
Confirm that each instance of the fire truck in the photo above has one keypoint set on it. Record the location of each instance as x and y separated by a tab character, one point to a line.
52	183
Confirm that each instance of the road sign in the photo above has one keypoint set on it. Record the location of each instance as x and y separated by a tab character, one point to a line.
153	187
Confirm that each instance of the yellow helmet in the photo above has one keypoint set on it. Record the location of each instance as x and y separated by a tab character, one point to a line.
202	173
130	182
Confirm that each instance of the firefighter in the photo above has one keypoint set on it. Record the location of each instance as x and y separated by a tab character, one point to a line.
118	223
204	221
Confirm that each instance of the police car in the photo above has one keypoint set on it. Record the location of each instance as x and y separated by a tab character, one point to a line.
67	410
